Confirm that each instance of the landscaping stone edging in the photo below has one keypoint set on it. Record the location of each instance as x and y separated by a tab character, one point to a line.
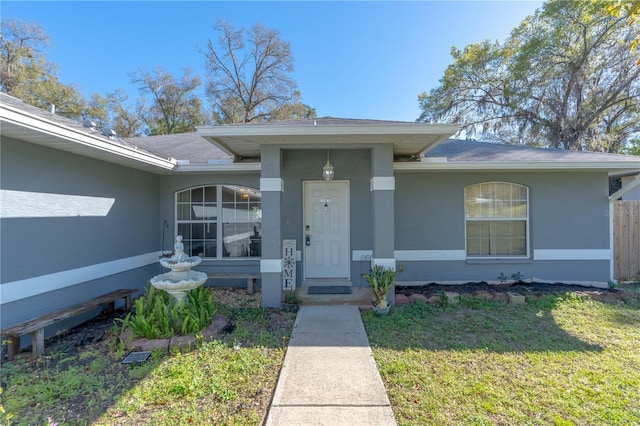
176	343
512	297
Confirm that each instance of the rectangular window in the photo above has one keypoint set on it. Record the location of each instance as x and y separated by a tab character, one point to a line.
496	216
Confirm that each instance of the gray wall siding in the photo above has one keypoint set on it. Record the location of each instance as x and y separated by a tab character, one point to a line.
61	243
38	246
566	211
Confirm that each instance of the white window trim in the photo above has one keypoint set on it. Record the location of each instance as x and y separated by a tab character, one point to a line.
219	221
526	220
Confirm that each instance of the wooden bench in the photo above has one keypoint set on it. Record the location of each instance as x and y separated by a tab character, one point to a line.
36	326
251	279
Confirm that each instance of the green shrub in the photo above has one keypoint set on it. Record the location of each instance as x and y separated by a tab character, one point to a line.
157	315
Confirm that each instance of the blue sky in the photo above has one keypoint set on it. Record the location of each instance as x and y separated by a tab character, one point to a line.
352	59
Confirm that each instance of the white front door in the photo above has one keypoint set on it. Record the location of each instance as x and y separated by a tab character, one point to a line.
326	230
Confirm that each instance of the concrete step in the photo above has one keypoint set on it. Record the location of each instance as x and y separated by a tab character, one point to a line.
360	297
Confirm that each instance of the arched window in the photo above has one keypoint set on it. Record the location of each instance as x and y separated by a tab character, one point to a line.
220	221
497	220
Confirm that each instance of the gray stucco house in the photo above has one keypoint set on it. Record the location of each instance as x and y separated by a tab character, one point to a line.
83	214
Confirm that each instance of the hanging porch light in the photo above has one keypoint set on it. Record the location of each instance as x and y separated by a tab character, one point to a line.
327	170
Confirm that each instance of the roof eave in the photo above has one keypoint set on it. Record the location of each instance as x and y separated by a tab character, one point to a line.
244	140
218	168
89	142
326	130
609	166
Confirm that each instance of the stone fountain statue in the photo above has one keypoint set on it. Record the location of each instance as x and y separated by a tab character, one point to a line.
181	279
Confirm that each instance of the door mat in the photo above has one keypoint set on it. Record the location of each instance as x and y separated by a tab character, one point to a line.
332	289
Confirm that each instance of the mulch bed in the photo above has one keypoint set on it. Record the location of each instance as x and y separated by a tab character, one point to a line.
527	289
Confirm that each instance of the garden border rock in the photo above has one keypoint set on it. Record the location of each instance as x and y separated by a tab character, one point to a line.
176	343
432	292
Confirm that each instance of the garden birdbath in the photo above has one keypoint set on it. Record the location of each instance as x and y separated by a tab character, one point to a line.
181	279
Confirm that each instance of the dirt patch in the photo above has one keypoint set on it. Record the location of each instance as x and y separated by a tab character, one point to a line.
98	334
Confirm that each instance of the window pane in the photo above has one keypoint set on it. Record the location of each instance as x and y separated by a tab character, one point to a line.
502	247
237	239
184	229
209	212
478	241
197	248
197	212
255	212
210	194
242	212
518	246
228	195
196	195
197	231
210	249
184	196
255	245
228	211
210	231
184	212
519	209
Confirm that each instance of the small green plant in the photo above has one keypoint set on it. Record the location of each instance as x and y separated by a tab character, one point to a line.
613	284
516	277
444	300
160	316
291	302
291	298
380	280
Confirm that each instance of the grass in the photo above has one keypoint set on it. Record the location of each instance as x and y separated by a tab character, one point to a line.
228	381
561	360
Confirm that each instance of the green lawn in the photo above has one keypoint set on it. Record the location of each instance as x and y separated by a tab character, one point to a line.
561	360
229	381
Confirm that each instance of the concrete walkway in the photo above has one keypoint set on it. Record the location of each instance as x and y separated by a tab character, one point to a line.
329	376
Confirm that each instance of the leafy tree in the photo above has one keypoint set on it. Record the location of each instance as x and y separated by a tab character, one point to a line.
126	120
96	111
175	106
27	75
565	78
630	8
22	55
250	76
295	110
633	148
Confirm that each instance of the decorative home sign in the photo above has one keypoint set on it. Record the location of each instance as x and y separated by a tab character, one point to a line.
289	264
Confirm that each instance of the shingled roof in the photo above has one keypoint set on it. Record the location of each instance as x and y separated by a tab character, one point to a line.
455	150
182	146
193	148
